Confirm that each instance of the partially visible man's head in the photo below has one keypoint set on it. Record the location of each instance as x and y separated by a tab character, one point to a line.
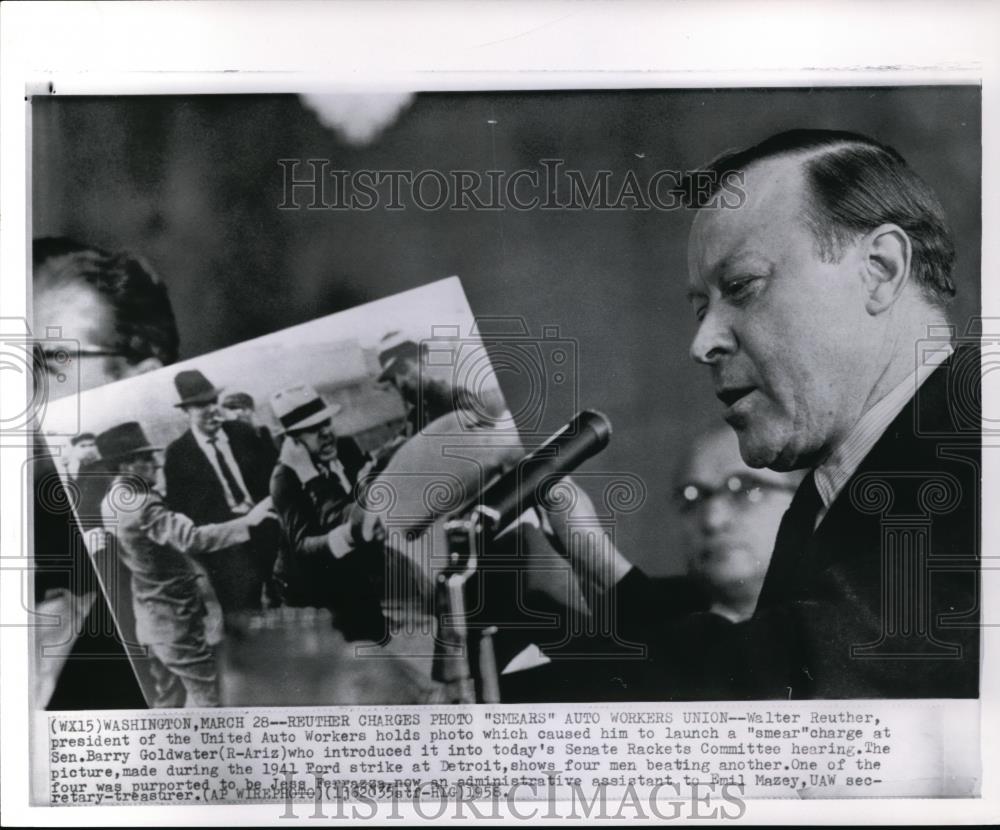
400	360
809	295
114	305
83	448
239	406
729	519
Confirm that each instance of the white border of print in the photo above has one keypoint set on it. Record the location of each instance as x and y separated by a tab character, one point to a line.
271	46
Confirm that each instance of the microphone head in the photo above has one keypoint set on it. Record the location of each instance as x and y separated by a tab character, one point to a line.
596	422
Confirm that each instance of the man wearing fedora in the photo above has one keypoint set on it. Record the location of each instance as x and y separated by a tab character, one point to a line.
427	398
216	471
240	406
156	544
325	560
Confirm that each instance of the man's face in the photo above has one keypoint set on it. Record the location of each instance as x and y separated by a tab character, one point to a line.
85	451
321	441
730	514
785	334
407	378
206	418
144	466
86	319
240	413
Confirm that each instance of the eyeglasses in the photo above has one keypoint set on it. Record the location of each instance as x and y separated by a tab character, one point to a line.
740	491
57	360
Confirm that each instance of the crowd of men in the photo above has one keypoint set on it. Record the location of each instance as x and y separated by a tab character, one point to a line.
240	520
813	298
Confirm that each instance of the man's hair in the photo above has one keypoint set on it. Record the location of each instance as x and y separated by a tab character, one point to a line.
238	400
855	184
143	317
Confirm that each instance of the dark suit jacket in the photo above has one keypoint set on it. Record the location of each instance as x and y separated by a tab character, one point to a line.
308	572
238	574
97	673
884	602
194	489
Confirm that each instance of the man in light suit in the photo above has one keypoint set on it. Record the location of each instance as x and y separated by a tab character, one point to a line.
216	471
156	544
820	302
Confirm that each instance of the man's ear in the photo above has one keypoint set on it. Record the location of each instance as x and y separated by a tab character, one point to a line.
886	267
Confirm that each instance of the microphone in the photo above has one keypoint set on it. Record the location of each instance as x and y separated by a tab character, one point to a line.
530	480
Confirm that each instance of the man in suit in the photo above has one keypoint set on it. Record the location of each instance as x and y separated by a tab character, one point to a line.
325	561
216	471
156	544
820	301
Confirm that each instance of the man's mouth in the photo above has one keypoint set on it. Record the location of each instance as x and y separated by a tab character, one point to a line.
732	394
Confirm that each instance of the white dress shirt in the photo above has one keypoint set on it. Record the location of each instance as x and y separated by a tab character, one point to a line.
222	442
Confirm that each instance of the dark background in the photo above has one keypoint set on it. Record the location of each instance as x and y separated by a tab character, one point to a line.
193	184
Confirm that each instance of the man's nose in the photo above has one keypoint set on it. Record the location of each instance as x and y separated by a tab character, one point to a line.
713	340
716	513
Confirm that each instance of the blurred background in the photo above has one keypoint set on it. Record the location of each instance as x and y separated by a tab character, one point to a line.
194	184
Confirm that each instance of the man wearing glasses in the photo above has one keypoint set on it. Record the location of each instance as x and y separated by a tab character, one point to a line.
98	317
729	519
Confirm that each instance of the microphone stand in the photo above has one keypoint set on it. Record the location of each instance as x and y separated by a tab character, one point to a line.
457	649
464	656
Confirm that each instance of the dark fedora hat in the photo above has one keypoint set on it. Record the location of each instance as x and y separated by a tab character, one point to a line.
123	440
194	388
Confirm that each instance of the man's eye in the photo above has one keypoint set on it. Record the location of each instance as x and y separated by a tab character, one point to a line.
742	289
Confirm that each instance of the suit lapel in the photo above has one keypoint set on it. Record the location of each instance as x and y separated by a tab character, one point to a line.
203	471
899	448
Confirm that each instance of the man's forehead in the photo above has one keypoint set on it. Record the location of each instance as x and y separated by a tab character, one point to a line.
726	238
78	310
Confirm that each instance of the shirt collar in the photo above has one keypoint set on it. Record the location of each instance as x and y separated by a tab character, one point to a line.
846	457
220	439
